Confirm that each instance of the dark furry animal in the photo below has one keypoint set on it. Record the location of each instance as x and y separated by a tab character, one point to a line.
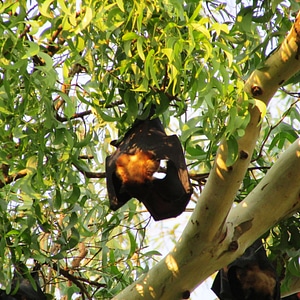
130	170
23	289
250	277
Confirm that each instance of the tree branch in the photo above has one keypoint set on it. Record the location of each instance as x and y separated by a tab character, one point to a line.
77	280
276	197
75	116
90	174
10	178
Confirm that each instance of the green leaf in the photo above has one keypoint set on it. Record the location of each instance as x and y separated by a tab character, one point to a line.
31	164
86	20
5	111
143	87
44	7
133	244
232	150
69	108
120	4
105	116
131	103
85	141
201	28
75	194
294	266
48	62
261	106
129	36
196	12
12	233
140	50
73	220
33	50
149	63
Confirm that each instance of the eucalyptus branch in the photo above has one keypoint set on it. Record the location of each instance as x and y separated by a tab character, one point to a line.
165	79
25	31
111	105
51	47
76	280
90	174
75	116
11	178
86	156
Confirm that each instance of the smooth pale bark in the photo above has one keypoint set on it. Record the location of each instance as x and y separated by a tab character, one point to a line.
294	287
217	233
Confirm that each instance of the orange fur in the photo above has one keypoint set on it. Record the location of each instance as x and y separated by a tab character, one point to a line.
261	281
136	168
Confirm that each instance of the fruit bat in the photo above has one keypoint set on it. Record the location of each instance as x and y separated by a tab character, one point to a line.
22	288
130	170
250	277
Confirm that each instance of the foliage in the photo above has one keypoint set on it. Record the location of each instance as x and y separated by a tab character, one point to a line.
72	74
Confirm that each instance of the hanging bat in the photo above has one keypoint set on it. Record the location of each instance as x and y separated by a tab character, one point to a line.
131	168
23	288
250	277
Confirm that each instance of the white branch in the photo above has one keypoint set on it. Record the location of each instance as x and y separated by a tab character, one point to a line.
276	197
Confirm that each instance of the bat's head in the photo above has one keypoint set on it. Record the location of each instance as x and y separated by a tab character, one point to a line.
137	168
255	283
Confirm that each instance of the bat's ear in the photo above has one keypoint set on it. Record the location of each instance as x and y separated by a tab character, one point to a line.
115	143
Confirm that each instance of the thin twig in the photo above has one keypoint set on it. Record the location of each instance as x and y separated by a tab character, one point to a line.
75	116
90	174
11	178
